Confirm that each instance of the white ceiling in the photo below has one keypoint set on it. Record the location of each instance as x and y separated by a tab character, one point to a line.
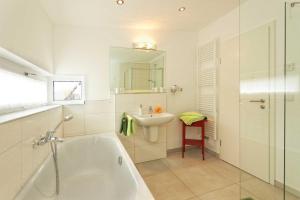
137	14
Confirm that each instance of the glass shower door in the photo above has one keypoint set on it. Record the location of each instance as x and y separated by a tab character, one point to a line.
292	102
261	70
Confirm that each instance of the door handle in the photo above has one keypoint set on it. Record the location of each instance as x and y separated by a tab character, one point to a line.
258	101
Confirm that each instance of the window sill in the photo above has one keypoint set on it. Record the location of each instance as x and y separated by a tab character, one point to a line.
25	113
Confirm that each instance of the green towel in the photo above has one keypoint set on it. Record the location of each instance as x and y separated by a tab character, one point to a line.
130	126
190	117
124	124
127	125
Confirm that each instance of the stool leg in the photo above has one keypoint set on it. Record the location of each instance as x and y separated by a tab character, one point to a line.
203	142
183	139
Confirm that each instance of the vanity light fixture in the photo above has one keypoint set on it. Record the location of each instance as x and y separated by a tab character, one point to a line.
144	45
120	2
181	9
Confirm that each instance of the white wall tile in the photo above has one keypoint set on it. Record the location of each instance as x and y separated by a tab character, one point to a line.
97	107
91	118
10	134
10	172
27	159
34	126
97	123
77	125
150	152
54	117
39	155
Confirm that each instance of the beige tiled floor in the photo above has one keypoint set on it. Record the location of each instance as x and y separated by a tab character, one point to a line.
174	178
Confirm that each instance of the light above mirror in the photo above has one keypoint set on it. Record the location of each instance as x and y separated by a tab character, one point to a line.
144	45
120	2
181	9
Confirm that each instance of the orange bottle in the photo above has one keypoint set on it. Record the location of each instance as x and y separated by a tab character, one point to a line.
157	109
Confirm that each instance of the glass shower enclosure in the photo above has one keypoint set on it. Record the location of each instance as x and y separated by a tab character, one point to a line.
269	53
292	100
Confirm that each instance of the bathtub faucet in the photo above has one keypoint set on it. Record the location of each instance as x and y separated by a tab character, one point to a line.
53	140
49	137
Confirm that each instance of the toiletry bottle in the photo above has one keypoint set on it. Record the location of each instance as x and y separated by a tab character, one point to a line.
141	109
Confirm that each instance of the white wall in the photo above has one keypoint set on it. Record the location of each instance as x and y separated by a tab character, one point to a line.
26	30
254	13
86	51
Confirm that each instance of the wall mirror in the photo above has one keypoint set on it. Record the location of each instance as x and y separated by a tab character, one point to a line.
136	70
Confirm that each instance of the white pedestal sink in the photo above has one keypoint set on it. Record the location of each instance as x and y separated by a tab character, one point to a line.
152	122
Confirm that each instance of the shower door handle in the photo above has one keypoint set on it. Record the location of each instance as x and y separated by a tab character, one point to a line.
258	101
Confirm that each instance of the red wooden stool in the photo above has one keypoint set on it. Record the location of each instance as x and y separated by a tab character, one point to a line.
194	142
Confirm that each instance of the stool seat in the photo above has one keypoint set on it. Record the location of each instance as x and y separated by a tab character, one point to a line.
194	142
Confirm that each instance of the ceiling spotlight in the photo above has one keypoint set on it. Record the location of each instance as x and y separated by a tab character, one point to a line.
181	9
120	2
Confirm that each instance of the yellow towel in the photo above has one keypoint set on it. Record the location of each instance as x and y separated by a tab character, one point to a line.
190	117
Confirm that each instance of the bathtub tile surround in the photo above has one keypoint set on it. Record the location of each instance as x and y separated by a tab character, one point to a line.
91	118
18	160
139	149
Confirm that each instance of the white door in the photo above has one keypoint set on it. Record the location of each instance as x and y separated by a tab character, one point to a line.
255	89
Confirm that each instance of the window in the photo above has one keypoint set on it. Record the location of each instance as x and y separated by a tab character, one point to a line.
19	92
68	90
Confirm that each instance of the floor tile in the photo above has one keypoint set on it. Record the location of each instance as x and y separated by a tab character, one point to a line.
202	179
192	157
152	168
195	198
229	193
262	190
227	170
166	186
191	178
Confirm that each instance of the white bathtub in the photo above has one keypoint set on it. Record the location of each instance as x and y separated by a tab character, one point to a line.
89	170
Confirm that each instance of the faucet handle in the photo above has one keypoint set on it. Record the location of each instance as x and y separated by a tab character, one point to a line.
40	141
35	143
49	135
57	139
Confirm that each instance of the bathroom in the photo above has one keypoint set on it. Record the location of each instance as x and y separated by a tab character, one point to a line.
94	94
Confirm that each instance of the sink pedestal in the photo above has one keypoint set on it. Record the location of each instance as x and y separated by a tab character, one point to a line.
152	122
151	133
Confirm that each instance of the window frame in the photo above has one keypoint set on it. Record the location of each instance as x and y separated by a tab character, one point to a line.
66	78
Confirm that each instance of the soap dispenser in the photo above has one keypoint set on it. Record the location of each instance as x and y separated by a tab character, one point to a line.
141	109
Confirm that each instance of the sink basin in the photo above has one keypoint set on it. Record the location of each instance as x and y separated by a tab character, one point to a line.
154	119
